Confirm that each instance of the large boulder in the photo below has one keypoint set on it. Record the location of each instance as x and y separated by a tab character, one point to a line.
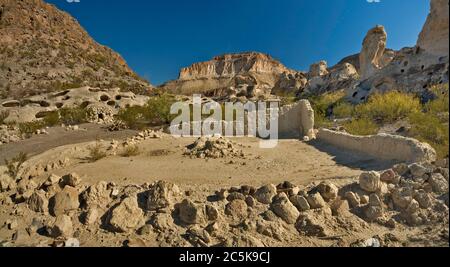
328	191
162	195
127	216
64	201
61	227
282	207
38	202
98	195
190	213
370	181
266	193
237	209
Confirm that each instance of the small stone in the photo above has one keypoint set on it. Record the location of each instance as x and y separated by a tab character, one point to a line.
266	193
236	209
12	225
312	223
370	181
91	216
353	199
251	202
72	180
373	212
282	207
212	213
222	194
364	199
61	227
402	197
328	191
38	202
388	176
340	207
300	203
190	213
424	199
316	201
417	170
52	180
439	183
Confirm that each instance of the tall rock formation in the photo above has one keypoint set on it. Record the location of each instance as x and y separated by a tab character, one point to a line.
248	75
374	45
434	37
412	70
43	49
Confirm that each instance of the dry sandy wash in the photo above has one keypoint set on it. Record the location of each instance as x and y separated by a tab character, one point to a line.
151	189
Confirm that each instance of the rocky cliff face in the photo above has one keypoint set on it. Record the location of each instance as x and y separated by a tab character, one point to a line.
231	65
235	75
412	70
43	49
434	36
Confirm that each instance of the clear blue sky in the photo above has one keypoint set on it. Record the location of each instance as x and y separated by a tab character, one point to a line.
159	37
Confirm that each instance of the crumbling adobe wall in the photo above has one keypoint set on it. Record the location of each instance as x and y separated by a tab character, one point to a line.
297	120
382	146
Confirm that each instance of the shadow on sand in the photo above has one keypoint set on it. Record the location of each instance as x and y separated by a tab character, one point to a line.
352	159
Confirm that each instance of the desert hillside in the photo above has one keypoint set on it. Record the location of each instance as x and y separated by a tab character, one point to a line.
43	49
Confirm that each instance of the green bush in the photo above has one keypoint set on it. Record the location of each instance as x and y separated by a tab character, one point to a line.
388	107
343	110
29	128
157	109
361	127
132	117
430	129
73	116
52	119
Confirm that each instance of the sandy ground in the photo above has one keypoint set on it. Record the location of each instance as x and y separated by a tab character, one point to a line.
162	159
59	136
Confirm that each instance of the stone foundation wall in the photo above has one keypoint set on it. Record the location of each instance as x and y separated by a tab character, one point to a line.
382	146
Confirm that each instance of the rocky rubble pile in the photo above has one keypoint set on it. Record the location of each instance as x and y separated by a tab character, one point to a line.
62	208
213	147
9	134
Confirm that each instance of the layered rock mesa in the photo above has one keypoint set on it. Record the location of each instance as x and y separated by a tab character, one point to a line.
43	49
249	74
412	69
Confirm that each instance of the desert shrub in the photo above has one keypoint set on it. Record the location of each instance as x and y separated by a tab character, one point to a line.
131	151
132	117
3	115
323	104
321	121
73	116
52	119
343	110
15	164
29	128
441	103
430	129
361	127
157	109
96	152
388	107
